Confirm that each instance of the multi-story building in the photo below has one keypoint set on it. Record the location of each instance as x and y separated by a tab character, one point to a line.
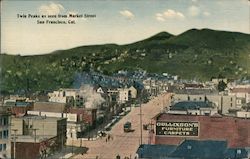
40	126
72	97
155	87
63	95
5	119
193	108
124	95
172	129
36	136
133	92
77	118
242	95
113	94
224	103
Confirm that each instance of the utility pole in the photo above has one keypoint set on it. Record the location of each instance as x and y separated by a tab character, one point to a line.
88	130
72	150
14	153
141	119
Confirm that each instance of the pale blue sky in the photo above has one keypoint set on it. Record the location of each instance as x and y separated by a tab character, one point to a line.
117	21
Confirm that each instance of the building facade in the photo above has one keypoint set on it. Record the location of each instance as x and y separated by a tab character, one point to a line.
78	119
193	108
40	126
62	95
5	119
30	147
224	103
171	129
124	95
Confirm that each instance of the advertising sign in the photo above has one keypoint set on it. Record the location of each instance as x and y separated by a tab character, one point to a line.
176	128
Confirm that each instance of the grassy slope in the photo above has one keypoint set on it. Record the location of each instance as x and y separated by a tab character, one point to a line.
198	54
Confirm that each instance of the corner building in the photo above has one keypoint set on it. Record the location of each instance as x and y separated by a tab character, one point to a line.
4	133
172	129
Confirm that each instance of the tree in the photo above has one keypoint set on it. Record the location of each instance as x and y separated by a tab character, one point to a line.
221	86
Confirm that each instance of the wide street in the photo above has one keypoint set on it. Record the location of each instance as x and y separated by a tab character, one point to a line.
125	144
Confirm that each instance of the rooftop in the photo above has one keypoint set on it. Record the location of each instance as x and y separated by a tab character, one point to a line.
201	149
205	149
240	90
195	91
31	139
4	110
17	104
49	107
191	105
155	151
34	117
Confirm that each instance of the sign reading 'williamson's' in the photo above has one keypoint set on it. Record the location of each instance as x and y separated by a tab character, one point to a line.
171	128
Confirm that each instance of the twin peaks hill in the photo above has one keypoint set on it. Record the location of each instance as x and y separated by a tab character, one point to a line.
194	54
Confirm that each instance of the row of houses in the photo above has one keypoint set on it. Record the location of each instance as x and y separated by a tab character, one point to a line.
122	95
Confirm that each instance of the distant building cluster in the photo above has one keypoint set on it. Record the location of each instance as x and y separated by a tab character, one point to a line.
201	117
201	121
33	128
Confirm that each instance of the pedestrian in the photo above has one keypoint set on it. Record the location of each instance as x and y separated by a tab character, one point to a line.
106	139
118	157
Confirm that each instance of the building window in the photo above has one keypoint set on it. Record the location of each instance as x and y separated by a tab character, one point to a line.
238	152
5	134
4	147
5	121
1	148
231	99
231	104
1	134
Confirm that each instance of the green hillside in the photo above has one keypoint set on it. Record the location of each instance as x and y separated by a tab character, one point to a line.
194	54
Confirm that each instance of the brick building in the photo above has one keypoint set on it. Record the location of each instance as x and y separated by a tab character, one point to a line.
171	129
84	114
30	148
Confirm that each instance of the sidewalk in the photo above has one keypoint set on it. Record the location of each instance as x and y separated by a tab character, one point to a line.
67	152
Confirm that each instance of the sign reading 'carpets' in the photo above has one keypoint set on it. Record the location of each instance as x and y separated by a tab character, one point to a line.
172	128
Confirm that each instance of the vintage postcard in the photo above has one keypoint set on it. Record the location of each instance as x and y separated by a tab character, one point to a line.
125	79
